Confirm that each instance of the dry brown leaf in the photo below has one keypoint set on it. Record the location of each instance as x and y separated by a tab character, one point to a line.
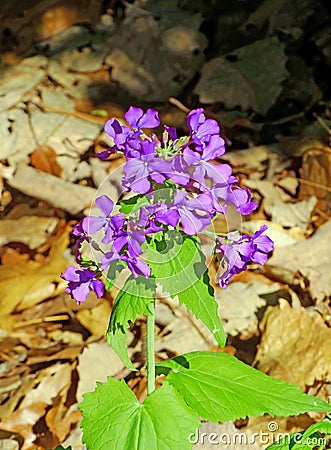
22	422
28	382
55	191
97	362
295	346
29	283
250	158
51	383
30	230
96	319
44	159
13	257
249	295
60	420
50	20
312	258
280	236
183	335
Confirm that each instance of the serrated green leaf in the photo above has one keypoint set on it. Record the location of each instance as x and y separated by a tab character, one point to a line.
221	388
298	441
199	299
132	204
132	301
114	269
324	426
179	267
114	419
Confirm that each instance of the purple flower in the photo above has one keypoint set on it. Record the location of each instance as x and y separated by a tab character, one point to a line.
223	194
219	173
137	119
80	230
261	246
201	128
131	238
138	171
120	133
192	212
81	282
147	218
234	251
136	266
111	224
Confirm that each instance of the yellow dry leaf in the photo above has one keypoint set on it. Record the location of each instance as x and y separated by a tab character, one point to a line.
295	346
30	230
31	282
96	319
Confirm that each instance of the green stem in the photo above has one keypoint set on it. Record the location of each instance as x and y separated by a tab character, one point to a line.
150	349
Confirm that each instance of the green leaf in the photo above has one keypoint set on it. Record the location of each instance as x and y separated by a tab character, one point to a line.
219	387
133	204
114	269
114	419
131	301
298	441
59	447
179	267
99	112
199	299
324	426
305	440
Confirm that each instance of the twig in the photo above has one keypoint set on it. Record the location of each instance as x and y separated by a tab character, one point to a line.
41	320
313	184
287	119
322	123
179	105
77	114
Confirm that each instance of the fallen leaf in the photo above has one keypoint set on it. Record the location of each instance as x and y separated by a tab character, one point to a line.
295	345
294	214
276	203
253	80
105	363
250	158
18	79
174	61
22	422
311	258
249	295
96	319
30	230
280	236
29	283
50	383
44	159
58	193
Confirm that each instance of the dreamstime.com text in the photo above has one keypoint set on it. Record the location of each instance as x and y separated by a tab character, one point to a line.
263	438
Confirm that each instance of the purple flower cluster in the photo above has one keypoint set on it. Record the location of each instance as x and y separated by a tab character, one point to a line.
182	187
235	250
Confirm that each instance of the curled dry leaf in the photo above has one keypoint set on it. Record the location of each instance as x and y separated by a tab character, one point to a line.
295	346
31	282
